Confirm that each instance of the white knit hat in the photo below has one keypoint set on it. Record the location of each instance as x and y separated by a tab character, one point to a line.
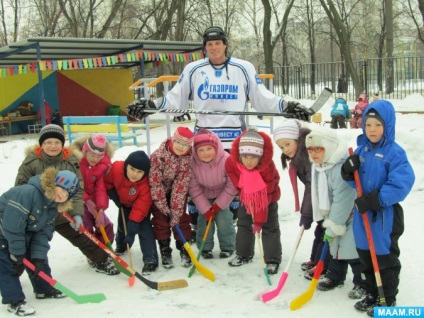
251	143
323	137
288	128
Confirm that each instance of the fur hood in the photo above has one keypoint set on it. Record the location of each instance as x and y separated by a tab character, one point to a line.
268	151
48	184
77	144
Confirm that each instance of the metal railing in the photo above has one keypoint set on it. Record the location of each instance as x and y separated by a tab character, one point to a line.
296	81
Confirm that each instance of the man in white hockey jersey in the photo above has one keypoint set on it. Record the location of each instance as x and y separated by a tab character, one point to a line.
220	83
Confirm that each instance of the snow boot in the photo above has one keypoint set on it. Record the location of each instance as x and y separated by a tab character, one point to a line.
207	254
148	269
370	311
306	266
239	261
54	293
21	309
368	302
91	263
107	267
272	268
166	253
185	258
225	254
329	284
310	273
357	292
120	250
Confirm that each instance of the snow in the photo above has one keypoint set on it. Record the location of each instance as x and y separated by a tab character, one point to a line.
235	291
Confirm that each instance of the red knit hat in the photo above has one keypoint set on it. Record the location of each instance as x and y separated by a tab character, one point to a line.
205	137
183	135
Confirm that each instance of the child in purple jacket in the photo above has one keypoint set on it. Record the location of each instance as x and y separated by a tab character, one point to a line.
212	192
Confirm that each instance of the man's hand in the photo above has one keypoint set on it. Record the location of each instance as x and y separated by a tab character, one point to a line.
298	111
137	107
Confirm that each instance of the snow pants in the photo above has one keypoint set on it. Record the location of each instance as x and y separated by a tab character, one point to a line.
271	235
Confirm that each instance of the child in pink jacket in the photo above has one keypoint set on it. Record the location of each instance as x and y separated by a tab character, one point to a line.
94	154
212	192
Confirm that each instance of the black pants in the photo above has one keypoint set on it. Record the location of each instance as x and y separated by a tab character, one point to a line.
338	120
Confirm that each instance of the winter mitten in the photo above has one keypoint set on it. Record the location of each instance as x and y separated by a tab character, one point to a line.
39	266
350	165
256	228
18	261
78	222
328	238
368	202
210	214
306	221
91	206
133	228
101	218
298	111
129	239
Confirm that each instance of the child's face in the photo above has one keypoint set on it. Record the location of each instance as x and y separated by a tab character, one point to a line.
134	174
93	158
250	162
206	153
180	148
287	146
374	130
316	154
60	195
52	147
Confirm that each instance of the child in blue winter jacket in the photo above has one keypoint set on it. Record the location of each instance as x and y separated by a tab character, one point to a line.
27	215
339	113
386	177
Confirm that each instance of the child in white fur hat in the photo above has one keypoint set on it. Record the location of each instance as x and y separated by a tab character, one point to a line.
333	200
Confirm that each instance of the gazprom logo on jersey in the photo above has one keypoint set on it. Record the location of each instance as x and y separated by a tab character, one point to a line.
217	91
258	80
398	311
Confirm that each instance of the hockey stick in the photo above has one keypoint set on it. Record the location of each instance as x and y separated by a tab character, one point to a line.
80	299
307	295
109	245
131	281
275	292
370	239
193	268
261	251
317	105
201	269
174	284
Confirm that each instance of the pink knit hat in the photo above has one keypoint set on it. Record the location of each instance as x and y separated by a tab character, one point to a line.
183	135
205	137
95	144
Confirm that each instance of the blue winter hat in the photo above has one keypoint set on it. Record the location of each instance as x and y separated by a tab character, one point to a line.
67	180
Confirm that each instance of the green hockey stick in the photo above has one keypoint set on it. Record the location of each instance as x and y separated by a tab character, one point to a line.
80	299
193	268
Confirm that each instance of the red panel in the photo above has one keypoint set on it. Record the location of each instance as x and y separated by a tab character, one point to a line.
75	100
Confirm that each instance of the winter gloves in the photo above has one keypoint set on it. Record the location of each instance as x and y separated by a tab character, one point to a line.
211	213
368	202
298	111
39	266
256	228
350	165
328	238
18	261
306	221
99	215
136	108
78	222
132	229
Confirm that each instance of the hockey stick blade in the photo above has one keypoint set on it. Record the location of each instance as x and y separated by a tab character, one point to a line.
321	100
275	292
307	295
200	268
154	285
80	299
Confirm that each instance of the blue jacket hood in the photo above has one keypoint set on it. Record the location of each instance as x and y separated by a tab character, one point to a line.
387	112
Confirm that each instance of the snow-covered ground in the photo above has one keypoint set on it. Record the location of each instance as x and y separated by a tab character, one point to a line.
235	291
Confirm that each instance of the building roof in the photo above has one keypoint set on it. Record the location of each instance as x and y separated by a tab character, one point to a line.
25	51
